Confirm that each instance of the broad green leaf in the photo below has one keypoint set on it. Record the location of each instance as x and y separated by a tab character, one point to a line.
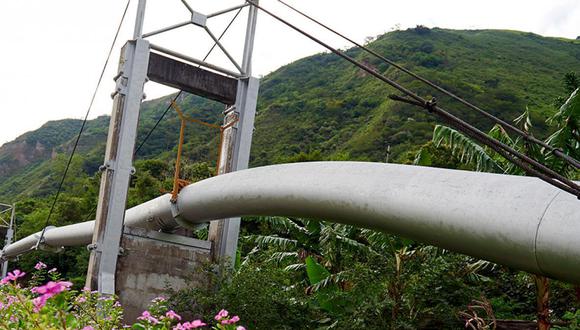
465	149
423	158
279	242
570	111
315	271
313	226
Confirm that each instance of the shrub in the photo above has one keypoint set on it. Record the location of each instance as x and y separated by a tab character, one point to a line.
49	303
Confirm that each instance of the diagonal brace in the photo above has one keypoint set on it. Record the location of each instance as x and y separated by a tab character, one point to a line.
217	42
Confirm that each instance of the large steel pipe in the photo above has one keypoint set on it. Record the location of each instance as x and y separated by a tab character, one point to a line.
517	221
154	214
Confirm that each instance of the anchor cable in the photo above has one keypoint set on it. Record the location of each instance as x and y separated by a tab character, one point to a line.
537	169
83	124
150	132
527	136
181	91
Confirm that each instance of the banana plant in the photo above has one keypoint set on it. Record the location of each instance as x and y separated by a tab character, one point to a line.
566	137
313	248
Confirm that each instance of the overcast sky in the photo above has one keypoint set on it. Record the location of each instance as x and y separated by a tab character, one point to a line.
52	51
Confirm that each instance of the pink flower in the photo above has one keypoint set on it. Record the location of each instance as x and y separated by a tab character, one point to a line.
16	274
52	288
240	328
39	302
146	316
81	299
222	314
47	291
40	265
197	323
52	270
12	276
189	325
230	321
88	327
11	300
173	315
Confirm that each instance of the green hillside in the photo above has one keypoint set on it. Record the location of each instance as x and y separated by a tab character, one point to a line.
321	108
324	107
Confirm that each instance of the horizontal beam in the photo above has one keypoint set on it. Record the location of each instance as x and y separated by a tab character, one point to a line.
193	60
198	81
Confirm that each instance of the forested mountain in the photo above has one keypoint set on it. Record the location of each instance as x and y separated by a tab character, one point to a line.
323	107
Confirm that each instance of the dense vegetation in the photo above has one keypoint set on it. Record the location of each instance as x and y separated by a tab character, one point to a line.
323	105
47	302
310	273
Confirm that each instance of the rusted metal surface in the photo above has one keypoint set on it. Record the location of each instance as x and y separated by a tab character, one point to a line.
118	166
106	178
177	182
191	79
227	138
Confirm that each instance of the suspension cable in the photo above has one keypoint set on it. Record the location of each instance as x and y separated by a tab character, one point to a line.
46	222
507	152
527	136
174	100
537	169
178	183
181	91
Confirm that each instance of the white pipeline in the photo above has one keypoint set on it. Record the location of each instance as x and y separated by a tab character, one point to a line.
516	221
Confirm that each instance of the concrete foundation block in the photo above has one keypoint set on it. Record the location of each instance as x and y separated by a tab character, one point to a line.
152	261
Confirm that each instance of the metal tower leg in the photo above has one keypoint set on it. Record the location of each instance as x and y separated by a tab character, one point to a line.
117	169
236	150
237	143
8	240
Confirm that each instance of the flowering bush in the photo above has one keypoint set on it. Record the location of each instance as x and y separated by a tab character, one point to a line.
49	303
159	316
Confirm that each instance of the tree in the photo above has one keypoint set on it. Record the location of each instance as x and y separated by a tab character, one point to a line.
373	276
566	122
566	136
